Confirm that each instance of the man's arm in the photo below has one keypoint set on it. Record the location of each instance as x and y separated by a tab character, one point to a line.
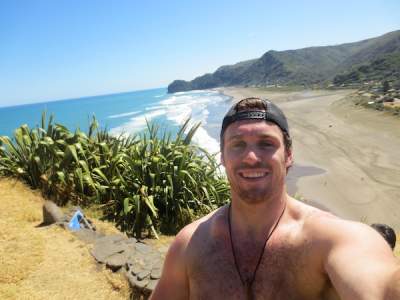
359	262
174	283
393	292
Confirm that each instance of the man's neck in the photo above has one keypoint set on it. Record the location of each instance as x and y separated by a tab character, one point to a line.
257	219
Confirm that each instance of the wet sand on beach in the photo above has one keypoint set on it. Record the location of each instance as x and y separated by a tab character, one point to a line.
347	158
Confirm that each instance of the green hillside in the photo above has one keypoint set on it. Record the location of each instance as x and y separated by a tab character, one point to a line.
377	58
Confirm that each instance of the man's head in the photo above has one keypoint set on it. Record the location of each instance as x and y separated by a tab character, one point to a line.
257	109
256	150
387	232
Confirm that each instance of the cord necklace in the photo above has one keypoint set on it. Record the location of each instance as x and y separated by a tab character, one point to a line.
247	284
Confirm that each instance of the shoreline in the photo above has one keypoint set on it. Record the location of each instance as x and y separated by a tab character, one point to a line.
346	157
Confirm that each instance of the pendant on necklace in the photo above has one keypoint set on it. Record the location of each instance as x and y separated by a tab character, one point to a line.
247	287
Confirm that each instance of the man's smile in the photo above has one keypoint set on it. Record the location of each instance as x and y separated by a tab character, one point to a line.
253	174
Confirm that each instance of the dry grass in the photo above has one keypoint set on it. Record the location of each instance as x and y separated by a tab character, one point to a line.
46	262
397	248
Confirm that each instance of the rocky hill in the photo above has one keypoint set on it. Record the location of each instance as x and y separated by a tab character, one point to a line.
312	65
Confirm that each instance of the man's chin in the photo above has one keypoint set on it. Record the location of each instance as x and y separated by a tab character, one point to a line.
253	198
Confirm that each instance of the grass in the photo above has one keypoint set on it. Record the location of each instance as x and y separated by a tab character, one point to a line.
397	248
46	262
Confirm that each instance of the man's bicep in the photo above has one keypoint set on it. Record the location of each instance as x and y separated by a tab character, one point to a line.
173	283
360	264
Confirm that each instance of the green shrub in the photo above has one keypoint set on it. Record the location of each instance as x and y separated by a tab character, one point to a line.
148	181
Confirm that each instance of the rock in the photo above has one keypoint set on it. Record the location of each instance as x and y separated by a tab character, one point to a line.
158	264
87	235
112	238
103	250
143	248
131	278
136	283
164	249
52	213
141	283
116	261
135	269
129	243
151	285
155	273
143	274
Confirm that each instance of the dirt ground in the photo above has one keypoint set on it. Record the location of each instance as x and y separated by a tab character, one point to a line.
46	262
355	150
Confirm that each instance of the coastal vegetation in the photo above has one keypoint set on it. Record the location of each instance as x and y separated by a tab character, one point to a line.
151	181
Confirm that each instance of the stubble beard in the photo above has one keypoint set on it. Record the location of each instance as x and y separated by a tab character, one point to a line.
257	195
272	189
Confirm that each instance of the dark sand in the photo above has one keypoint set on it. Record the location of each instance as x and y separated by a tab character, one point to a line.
347	159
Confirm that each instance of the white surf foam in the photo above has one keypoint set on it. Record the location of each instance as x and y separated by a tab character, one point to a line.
137	124
132	113
177	108
181	106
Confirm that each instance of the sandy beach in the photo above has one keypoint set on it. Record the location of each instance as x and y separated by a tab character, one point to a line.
347	158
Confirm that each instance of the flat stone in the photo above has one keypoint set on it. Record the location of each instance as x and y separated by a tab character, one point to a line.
143	248
147	267
128	265
158	264
136	269
144	274
130	261
164	249
155	273
103	250
137	283
151	285
116	261
113	238
131	241
153	256
86	235
131	279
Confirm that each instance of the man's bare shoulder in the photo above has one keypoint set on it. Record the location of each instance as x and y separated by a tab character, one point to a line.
329	230
200	227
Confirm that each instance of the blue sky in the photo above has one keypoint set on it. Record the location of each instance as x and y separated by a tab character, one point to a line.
56	49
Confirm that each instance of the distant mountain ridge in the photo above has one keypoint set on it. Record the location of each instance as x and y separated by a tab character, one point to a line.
312	65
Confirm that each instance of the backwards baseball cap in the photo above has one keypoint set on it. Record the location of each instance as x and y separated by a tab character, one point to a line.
271	113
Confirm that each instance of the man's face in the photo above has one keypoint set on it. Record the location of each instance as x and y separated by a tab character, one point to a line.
255	160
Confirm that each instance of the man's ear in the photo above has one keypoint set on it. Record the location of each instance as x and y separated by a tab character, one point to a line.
222	158
289	158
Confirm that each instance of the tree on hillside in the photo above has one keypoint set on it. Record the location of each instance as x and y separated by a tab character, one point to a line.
385	86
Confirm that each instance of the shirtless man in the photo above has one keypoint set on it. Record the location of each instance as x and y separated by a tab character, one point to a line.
265	244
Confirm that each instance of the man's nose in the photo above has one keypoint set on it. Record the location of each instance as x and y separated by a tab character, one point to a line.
251	157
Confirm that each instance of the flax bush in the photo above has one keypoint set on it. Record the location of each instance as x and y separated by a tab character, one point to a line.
144	182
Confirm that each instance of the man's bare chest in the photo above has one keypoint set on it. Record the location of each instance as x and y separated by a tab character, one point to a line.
284	272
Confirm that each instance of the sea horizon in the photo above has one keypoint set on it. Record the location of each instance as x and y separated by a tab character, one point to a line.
128	113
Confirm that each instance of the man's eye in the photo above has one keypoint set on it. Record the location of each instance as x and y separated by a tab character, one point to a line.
238	145
265	144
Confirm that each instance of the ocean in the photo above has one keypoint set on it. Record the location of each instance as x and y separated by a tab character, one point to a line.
126	113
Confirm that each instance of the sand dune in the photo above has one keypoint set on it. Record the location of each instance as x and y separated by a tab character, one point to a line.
352	154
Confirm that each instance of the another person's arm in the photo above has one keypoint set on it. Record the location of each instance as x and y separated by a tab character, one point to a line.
360	264
174	283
